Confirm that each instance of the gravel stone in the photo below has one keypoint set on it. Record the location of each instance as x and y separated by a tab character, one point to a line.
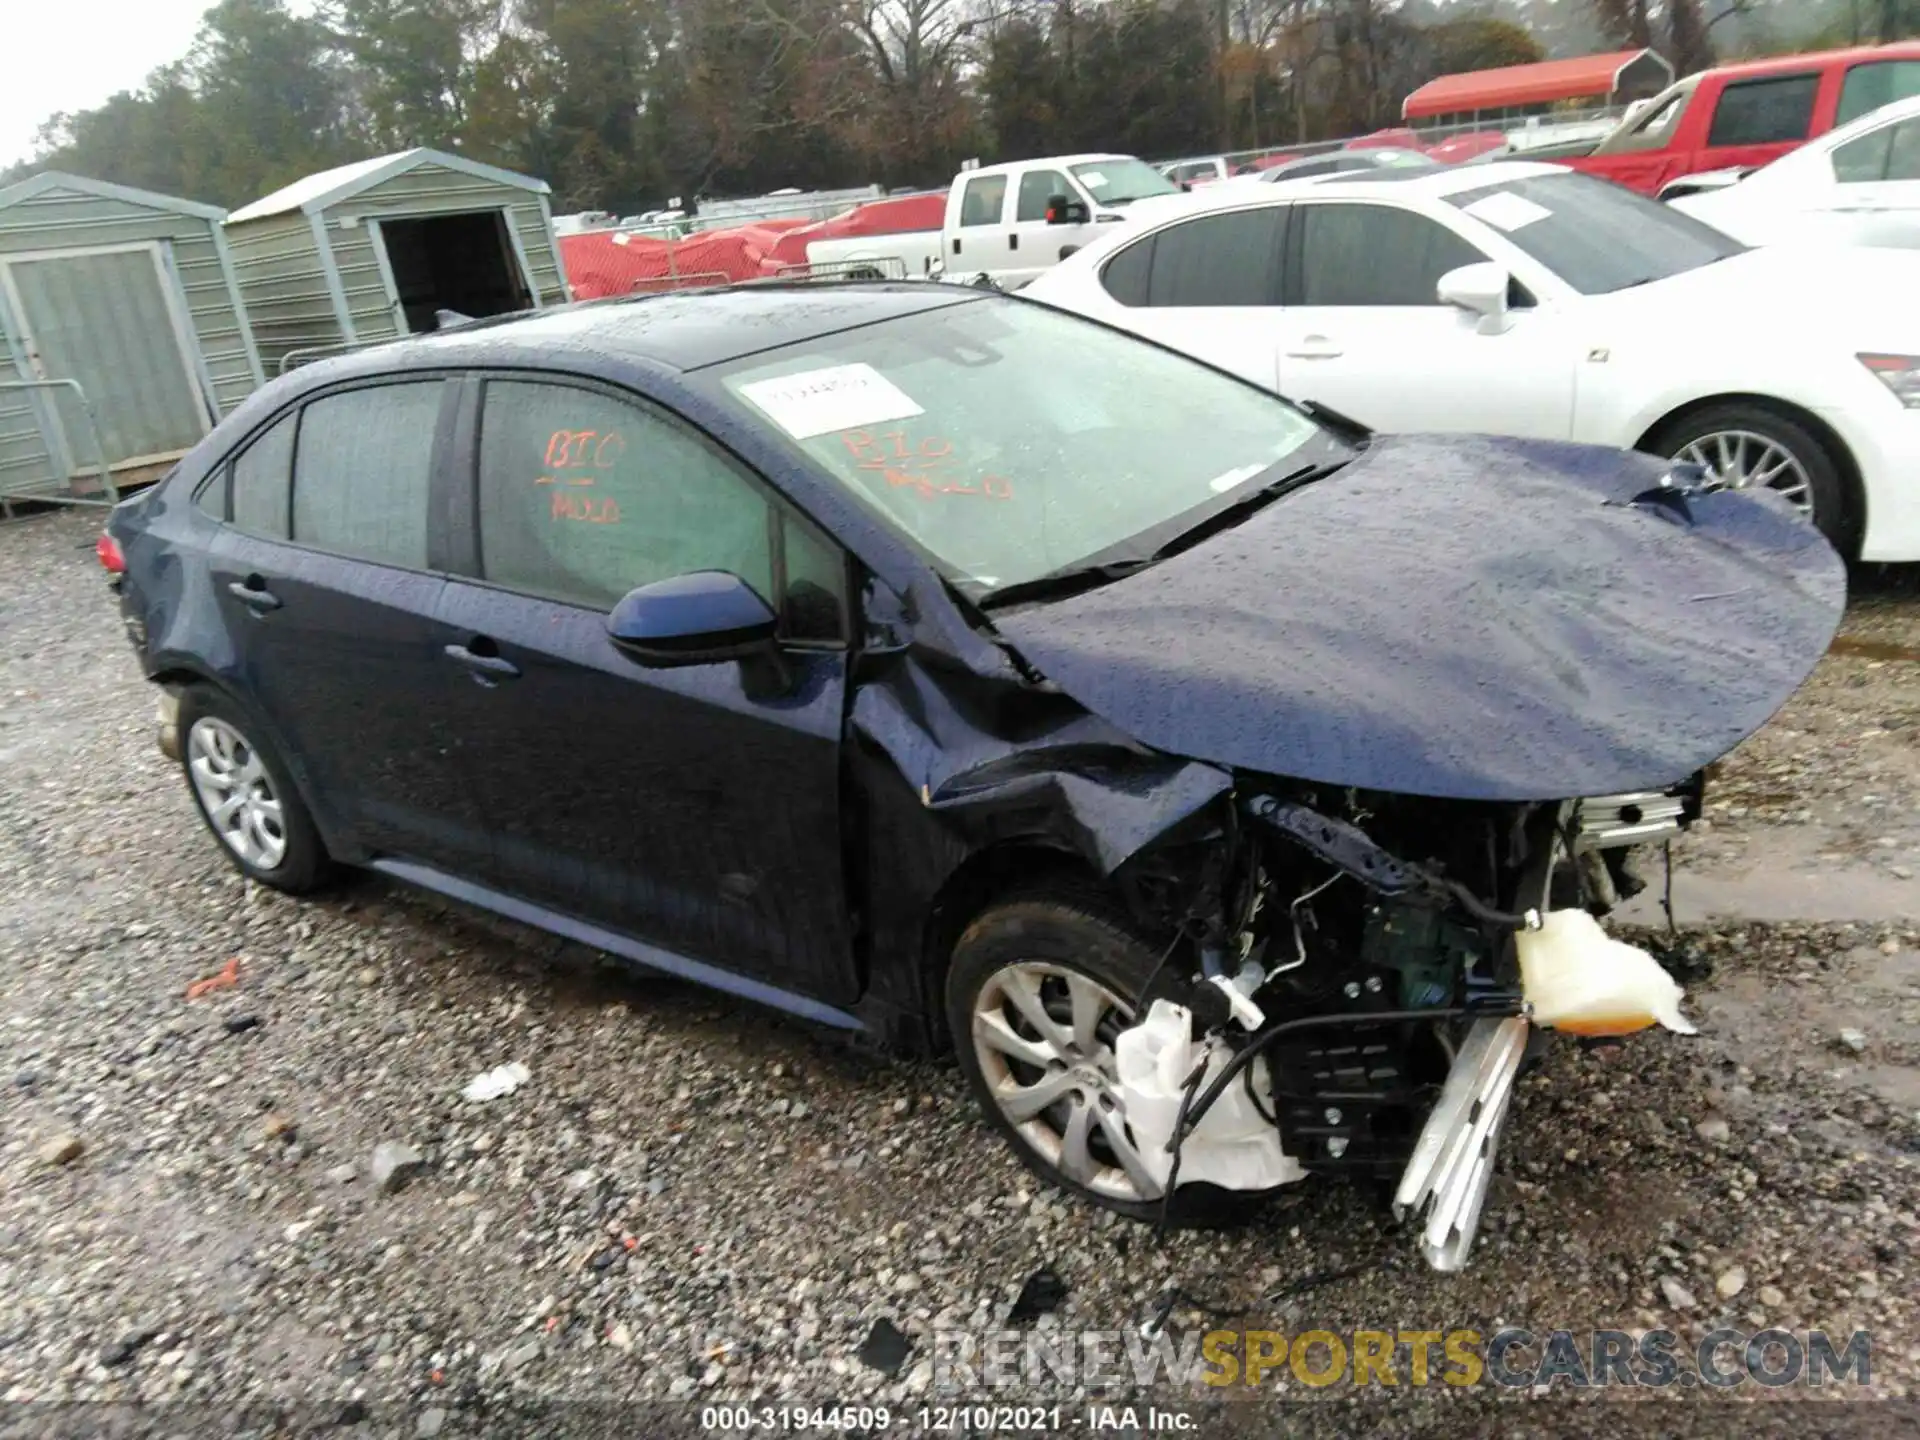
1770	1297
62	1150
1714	1130
1730	1283
1678	1296
1852	1039
393	1165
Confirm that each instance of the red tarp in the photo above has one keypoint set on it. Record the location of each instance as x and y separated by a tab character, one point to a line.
1587	77
599	265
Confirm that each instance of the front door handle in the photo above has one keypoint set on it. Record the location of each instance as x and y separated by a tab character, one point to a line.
252	592
487	669
1013	241
1314	347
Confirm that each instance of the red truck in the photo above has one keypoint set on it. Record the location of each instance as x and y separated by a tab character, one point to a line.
1742	116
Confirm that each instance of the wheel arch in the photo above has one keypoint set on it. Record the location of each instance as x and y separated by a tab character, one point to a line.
177	675
984	877
1828	438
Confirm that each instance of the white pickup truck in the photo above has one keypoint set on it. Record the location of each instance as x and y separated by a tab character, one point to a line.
1008	223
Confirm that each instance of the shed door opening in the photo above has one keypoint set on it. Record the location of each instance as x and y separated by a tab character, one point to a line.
462	263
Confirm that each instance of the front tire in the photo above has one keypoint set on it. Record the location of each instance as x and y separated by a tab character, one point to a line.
1039	988
245	795
1751	446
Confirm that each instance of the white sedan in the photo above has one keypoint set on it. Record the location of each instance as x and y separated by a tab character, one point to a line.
1524	299
1857	185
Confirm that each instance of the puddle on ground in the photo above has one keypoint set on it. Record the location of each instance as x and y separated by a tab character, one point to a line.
1779	878
1873	649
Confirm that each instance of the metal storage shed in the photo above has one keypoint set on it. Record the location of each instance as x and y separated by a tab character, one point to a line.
125	337
372	251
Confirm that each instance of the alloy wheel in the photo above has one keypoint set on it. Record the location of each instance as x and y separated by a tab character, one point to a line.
1043	1035
237	793
1745	460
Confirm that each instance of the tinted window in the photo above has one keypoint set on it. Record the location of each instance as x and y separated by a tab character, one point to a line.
362	470
1036	188
1127	273
1595	236
981	201
1863	161
260	479
1230	259
1764	112
1877	83
1375	255
583	497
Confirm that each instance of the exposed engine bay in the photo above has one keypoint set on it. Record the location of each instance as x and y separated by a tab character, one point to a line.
1353	982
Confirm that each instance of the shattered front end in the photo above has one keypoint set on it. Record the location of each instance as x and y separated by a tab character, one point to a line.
1365	976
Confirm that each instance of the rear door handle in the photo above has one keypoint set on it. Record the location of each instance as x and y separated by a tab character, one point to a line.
253	593
485	668
1314	347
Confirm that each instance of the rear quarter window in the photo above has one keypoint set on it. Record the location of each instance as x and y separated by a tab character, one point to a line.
1772	111
260	482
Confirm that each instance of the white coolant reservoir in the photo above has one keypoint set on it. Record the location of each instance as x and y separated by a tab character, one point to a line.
1232	1146
1579	979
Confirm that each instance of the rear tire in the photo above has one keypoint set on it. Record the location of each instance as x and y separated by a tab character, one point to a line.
1753	445
1049	1088
246	796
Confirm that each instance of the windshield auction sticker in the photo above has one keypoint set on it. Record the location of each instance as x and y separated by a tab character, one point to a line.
1506	211
839	397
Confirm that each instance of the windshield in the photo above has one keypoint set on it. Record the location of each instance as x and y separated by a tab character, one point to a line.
1118	182
1010	441
1596	237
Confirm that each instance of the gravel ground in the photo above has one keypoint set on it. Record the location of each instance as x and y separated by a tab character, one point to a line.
692	1201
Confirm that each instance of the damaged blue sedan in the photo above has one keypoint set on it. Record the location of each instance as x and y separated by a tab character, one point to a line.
1233	792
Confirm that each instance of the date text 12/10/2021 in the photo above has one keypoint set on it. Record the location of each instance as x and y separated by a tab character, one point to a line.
947	1419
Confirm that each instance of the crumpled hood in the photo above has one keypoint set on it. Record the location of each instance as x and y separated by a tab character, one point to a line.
1467	617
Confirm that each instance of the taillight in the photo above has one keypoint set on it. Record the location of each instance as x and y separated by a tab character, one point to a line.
108	549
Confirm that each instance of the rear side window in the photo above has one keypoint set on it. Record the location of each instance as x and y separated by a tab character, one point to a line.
1215	260
261	476
1878	82
1903	155
1374	255
981	201
1764	112
583	497
1230	259
362	471
1863	160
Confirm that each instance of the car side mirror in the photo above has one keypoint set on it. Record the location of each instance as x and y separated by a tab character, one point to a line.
1062	210
693	619
1481	290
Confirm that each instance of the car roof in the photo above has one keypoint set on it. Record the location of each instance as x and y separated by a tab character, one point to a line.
1092	157
1436	183
682	330
1815	60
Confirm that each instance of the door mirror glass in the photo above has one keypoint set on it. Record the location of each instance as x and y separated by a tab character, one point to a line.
1481	290
692	619
1064	210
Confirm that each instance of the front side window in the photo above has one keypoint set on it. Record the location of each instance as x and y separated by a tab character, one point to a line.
1595	236
1037	187
584	496
982	200
362	469
262	474
1764	112
1876	83
1354	254
1007	440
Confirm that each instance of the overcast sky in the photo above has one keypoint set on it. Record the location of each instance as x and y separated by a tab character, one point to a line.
72	54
